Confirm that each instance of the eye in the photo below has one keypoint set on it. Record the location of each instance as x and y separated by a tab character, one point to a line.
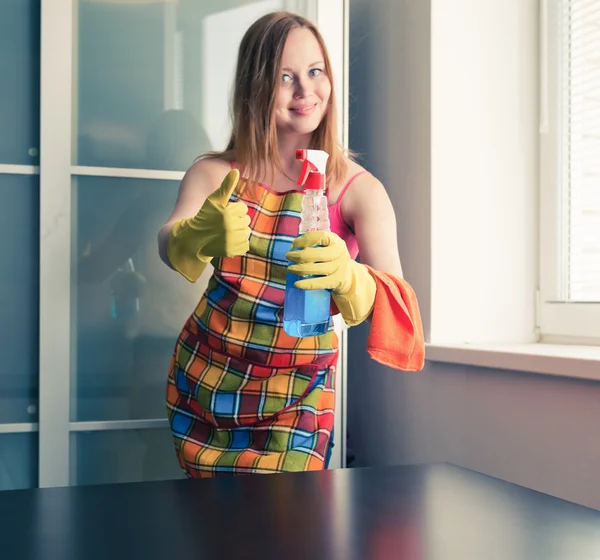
286	78
315	72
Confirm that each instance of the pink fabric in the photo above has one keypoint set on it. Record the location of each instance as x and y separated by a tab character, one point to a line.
337	224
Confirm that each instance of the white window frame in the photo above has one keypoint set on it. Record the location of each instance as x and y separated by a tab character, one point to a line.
557	321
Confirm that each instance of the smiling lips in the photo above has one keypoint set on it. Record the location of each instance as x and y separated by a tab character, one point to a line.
304	110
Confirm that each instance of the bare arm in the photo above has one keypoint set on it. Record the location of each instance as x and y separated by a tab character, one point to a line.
199	182
368	210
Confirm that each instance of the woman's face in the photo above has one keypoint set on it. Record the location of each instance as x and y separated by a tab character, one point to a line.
304	89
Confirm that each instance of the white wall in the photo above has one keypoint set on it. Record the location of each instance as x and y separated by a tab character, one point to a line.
484	135
533	430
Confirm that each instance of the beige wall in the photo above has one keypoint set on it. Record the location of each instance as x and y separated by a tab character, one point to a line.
538	431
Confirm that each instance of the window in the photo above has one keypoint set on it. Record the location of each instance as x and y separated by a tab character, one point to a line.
570	171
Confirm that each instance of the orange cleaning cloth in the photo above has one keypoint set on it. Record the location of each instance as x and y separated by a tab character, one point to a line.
396	337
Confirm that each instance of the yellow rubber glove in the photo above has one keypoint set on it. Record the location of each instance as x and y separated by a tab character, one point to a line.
219	229
325	255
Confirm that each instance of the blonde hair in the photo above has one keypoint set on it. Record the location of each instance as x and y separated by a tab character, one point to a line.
257	79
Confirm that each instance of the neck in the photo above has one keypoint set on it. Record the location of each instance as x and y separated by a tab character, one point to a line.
288	144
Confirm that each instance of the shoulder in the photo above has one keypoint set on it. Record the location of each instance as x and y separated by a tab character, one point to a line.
206	174
209	168
351	174
362	185
366	196
353	167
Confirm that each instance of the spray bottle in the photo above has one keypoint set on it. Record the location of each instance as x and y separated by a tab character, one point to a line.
307	312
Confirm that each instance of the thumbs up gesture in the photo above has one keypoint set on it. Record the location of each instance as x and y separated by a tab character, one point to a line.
219	229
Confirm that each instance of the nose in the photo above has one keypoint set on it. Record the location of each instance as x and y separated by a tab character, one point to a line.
303	87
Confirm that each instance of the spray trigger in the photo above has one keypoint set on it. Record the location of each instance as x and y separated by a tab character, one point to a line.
307	169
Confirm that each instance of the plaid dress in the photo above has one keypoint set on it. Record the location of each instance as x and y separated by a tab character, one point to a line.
242	395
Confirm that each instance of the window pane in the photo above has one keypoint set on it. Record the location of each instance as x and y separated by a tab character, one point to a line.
20	81
580	148
18	461
156	95
124	456
19	297
130	307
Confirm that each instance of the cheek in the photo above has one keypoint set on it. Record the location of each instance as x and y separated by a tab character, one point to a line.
282	99
325	91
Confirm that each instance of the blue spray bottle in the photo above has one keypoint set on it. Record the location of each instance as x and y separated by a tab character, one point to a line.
307	312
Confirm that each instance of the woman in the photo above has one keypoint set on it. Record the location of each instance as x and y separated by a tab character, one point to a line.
243	396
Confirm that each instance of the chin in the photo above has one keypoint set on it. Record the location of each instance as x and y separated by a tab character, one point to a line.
307	127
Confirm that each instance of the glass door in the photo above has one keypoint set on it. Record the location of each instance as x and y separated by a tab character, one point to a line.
131	92
19	241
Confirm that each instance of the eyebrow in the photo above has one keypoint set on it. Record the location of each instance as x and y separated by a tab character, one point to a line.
310	66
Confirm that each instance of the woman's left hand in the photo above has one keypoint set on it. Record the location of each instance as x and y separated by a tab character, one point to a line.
324	256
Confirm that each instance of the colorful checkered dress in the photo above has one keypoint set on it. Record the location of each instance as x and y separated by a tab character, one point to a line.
242	395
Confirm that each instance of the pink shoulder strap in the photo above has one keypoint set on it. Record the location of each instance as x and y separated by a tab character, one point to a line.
347	185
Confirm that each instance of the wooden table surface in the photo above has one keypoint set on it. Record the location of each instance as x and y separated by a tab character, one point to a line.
432	512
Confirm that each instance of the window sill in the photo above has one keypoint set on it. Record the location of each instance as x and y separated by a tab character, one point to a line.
579	362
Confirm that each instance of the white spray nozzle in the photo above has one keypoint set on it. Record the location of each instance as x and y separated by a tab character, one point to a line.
317	157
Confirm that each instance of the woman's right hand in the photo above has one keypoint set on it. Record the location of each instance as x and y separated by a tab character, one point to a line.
219	229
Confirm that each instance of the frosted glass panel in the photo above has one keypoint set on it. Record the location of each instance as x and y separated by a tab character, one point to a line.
126	456
19	81
19	297
18	461
156	94
128	306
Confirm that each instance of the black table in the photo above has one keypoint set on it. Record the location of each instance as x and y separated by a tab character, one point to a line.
436	512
